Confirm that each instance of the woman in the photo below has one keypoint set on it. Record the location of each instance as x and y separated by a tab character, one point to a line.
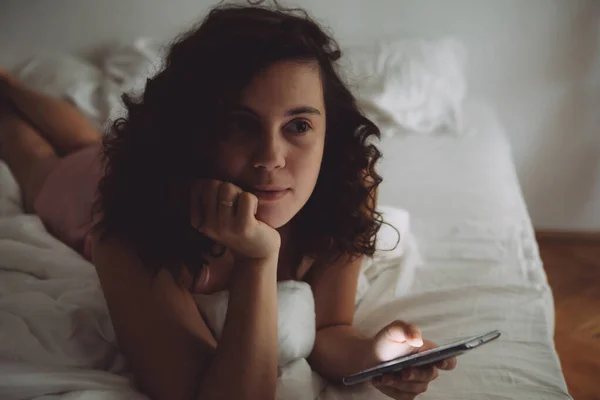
245	163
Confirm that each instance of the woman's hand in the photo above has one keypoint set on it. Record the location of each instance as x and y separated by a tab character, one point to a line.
226	214
396	340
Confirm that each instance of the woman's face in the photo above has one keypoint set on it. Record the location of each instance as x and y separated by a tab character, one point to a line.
273	145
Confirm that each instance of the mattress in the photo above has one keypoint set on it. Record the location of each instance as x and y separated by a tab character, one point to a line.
481	269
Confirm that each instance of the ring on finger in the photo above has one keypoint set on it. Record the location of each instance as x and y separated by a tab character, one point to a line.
226	203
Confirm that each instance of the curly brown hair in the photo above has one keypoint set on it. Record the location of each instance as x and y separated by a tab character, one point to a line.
165	142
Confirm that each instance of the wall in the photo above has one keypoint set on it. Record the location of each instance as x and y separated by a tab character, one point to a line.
537	61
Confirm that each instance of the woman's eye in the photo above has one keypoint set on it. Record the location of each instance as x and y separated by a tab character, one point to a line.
298	126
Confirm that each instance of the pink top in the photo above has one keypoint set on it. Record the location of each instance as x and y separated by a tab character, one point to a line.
65	200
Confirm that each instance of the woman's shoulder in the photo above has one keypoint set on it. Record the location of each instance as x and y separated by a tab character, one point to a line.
116	258
114	253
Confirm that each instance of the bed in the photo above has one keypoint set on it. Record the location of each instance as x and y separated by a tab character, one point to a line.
470	264
482	269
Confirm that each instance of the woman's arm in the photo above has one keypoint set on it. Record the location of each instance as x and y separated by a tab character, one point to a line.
168	346
339	349
247	351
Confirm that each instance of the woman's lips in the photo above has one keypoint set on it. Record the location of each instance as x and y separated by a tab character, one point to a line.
270	195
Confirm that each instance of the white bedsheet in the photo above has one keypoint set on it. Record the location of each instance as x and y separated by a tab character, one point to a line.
481	271
56	338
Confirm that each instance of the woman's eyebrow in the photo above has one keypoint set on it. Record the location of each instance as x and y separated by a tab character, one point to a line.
302	110
288	113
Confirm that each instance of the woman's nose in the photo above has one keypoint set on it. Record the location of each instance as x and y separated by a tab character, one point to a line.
269	153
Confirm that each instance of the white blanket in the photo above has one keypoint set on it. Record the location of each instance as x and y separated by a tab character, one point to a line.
55	334
56	338
57	342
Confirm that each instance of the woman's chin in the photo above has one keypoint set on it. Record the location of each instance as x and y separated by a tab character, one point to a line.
274	219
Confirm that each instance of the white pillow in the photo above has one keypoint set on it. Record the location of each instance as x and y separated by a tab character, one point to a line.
129	64
417	84
70	78
396	248
95	90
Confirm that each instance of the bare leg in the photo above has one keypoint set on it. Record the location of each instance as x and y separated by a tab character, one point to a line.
29	156
58	121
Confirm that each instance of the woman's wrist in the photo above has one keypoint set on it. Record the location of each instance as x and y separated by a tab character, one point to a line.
253	274
253	265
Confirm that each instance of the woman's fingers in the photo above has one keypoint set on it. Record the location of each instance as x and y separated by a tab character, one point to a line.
398	384
247	204
394	393
395	382
213	206
226	204
425	373
447	365
396	339
407	383
226	214
427	345
400	331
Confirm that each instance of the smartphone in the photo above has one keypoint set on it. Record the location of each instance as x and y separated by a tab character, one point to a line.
430	356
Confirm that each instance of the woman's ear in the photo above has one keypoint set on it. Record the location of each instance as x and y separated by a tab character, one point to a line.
209	278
